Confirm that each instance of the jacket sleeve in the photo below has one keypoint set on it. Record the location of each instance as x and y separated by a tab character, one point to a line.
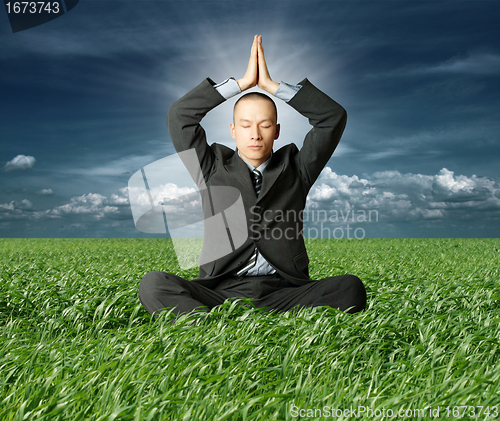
328	119
183	122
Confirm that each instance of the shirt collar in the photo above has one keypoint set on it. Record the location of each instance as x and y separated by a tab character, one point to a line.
261	167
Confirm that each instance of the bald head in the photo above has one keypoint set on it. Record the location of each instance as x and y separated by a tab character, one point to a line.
256	96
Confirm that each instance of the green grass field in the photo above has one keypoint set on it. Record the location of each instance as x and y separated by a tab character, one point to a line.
75	344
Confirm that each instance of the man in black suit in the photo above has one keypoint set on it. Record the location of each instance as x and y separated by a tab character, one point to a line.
271	266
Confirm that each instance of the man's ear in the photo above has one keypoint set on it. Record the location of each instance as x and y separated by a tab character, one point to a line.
231	126
277	133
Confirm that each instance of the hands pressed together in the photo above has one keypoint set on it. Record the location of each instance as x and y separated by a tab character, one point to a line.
257	73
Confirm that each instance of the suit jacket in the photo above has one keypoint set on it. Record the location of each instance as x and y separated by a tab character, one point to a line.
287	179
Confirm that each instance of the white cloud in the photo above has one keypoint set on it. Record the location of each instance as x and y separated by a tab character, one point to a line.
20	163
15	209
87	207
477	63
388	153
159	194
45	192
114	167
406	197
93	206
7	206
120	199
90	204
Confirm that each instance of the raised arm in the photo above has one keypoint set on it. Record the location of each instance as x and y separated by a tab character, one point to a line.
185	114
183	122
327	117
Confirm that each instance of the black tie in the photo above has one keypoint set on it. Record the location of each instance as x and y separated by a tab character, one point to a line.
257	180
250	263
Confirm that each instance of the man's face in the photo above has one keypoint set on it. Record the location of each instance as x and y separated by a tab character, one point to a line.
255	130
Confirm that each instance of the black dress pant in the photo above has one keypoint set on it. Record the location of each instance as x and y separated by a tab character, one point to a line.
162	290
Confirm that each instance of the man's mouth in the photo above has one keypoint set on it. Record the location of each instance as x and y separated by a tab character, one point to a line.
255	146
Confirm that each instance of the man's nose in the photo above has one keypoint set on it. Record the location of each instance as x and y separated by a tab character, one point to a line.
256	134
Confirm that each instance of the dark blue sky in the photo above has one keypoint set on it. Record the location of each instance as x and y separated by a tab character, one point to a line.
84	100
